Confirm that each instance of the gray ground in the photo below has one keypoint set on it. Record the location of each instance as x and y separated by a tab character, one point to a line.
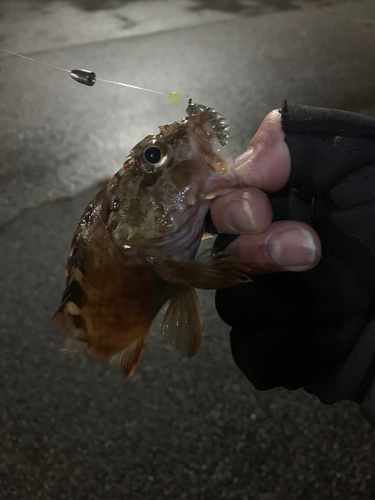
193	429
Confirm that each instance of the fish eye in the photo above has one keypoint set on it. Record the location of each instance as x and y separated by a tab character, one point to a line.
154	155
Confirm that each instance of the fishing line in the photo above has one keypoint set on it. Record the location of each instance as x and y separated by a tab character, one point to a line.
87	77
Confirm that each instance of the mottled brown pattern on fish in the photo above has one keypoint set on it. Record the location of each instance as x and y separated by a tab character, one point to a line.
118	297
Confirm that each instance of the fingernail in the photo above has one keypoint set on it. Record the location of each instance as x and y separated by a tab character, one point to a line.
293	250
244	159
240	216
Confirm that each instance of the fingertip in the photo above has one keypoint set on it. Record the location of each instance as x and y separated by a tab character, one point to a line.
245	211
293	249
266	163
286	246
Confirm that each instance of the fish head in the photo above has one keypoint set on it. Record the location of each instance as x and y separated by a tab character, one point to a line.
159	199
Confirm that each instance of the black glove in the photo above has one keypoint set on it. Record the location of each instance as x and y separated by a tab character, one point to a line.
316	329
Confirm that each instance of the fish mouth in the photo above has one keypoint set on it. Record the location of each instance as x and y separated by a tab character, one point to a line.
203	138
218	123
205	143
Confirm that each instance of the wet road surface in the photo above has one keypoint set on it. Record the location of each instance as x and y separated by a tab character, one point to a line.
180	429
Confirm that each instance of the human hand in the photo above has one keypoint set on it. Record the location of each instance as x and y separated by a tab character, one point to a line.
265	246
313	329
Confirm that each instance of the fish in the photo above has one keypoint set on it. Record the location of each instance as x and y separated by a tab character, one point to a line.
135	246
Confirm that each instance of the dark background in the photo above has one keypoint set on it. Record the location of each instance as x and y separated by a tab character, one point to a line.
179	429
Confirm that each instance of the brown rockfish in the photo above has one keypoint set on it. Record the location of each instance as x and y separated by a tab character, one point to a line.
135	246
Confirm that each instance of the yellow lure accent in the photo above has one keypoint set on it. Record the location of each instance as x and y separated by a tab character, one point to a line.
175	97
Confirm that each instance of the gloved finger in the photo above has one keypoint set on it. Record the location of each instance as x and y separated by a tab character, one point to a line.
244	211
284	246
266	163
335	144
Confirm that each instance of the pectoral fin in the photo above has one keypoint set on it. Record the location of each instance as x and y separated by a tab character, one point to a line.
182	323
209	271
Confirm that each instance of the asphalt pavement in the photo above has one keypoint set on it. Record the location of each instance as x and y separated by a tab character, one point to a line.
179	429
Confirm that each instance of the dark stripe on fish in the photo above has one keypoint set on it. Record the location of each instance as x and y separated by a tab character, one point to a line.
78	321
78	256
74	293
